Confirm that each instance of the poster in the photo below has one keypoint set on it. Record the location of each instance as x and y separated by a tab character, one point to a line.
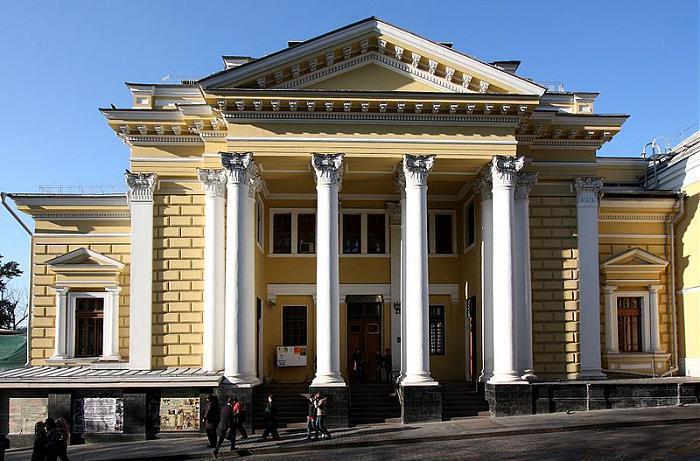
179	414
25	412
291	356
95	415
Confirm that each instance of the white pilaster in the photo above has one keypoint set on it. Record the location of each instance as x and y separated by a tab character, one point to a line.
394	212
654	333
110	329
416	169
483	187
141	187
214	185
328	170
239	348
588	192
523	297
60	336
505	367
611	340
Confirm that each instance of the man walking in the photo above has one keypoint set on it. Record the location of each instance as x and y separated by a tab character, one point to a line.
225	429
320	404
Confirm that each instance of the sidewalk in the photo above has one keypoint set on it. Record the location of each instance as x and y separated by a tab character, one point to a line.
383	435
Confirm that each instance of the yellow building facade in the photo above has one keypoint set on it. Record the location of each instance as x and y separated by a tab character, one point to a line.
369	190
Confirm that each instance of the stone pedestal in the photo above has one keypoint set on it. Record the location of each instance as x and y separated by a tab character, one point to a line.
337	404
245	394
421	404
509	399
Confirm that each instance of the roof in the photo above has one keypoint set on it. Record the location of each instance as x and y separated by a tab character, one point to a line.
99	376
13	350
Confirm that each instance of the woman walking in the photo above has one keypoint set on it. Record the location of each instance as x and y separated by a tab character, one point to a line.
225	429
39	450
271	419
320	404
63	439
239	418
311	419
211	419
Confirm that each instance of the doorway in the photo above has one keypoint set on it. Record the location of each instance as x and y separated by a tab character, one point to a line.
364	334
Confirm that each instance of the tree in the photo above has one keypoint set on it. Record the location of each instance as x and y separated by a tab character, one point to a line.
11	301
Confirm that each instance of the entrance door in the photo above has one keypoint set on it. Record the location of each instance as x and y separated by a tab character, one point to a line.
364	335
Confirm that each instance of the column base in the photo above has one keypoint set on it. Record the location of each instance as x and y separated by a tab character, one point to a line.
418	380
509	399
110	358
421	403
529	376
333	380
594	373
242	380
245	393
337	403
506	378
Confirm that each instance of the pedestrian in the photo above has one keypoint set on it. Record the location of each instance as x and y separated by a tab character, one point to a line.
63	440
52	440
357	366
39	449
271	419
388	366
211	419
311	419
224	429
378	367
320	404
239	418
4	445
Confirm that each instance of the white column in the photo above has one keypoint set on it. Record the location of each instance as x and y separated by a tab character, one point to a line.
483	187
214	185
141	187
239	347
60	335
400	185
588	191
416	168
611	340
328	170
523	184
110	330
503	172
394	212
654	333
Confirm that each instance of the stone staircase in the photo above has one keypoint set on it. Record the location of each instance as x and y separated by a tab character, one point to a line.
291	405
373	403
462	400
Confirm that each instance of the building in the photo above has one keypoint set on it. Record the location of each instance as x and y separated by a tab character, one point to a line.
362	190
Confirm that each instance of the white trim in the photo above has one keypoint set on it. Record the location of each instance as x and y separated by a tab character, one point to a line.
647	204
82	216
373	118
383	289
81	253
356	139
361	197
166	160
81	234
73	296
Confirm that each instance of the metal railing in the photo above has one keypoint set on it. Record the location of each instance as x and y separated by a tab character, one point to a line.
556	87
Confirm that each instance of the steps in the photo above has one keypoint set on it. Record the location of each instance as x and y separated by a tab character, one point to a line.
462	400
291	405
373	403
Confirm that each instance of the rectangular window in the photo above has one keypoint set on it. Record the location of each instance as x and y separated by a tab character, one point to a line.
352	233
88	327
259	223
629	323
437	330
294	325
282	233
469	225
443	234
376	234
306	233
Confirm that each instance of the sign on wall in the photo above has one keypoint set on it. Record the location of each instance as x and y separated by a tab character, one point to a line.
179	414
291	356
25	412
94	415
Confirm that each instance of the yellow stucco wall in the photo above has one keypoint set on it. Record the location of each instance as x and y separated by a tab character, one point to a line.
688	274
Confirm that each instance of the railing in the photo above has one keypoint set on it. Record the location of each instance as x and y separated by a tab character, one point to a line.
556	87
83	190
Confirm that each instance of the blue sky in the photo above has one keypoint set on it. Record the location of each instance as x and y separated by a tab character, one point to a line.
61	60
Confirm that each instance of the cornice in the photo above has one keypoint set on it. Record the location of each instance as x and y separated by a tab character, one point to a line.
77	216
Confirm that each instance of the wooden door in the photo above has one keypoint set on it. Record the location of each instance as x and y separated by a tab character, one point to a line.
364	334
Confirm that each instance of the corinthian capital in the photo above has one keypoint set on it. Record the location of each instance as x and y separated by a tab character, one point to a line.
237	164
213	181
523	185
328	168
255	180
483	186
416	169
504	169
141	186
588	190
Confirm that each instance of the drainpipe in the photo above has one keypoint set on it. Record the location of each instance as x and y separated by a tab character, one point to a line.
672	233
30	299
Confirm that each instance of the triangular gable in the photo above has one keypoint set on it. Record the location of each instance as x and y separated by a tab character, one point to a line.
373	40
83	257
634	257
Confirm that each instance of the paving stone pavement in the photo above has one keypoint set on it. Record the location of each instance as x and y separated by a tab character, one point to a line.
383	435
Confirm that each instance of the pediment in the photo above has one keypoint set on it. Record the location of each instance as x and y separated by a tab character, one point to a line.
84	259
371	47
635	258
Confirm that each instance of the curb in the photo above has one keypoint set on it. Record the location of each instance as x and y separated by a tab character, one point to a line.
407	441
